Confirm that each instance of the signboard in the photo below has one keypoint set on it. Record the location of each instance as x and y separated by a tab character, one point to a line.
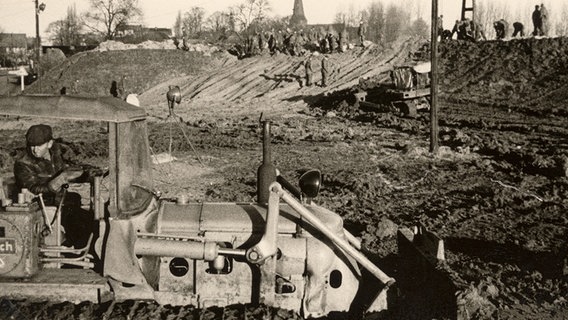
20	72
7	246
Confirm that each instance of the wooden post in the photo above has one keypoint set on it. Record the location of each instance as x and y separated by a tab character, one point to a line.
434	80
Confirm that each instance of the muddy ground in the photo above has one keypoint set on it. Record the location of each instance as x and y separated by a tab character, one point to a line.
496	191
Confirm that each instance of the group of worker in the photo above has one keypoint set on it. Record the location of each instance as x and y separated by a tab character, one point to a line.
299	42
325	69
468	29
539	20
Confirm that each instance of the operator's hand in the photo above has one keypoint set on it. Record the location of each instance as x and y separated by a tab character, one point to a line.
94	172
72	173
64	177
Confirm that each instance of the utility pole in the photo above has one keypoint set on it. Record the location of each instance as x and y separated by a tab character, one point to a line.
434	80
38	9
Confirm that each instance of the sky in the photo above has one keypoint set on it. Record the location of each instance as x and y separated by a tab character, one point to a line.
18	16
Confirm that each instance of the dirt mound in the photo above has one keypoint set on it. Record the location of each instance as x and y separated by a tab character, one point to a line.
144	69
517	73
164	45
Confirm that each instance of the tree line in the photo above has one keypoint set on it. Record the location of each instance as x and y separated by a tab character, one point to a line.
104	19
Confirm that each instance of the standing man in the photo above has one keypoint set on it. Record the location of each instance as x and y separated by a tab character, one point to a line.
361	31
75	87
325	69
518	29
537	21
122	88
309	71
441	27
331	42
544	19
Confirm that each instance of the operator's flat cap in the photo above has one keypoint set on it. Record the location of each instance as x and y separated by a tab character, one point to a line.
38	134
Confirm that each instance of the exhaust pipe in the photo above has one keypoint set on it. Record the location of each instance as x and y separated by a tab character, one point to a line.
266	173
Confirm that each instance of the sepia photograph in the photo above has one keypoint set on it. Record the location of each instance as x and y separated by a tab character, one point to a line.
283	159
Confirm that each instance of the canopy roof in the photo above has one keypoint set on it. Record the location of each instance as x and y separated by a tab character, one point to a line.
108	109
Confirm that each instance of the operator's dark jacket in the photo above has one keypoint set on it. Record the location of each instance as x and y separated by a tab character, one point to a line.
35	174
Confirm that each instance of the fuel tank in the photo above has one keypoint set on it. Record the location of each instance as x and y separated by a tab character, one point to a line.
243	219
19	241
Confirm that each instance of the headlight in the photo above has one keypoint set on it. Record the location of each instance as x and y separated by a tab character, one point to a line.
310	183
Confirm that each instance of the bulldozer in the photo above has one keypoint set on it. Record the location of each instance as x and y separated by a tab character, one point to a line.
283	250
406	95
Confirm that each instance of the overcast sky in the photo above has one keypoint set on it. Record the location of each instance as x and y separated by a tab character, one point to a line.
18	16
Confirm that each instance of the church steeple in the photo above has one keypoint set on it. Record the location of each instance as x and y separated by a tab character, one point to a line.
298	18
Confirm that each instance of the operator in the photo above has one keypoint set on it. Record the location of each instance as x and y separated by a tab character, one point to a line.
42	169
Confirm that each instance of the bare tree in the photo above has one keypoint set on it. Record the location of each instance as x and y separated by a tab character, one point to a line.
396	22
193	21
376	22
561	25
66	32
178	26
340	17
250	11
419	28
105	16
218	22
349	17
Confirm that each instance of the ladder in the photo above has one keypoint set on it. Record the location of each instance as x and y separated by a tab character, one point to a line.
468	6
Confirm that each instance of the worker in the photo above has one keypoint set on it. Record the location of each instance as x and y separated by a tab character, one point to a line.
323	44
75	89
309	70
441	27
456	30
466	30
537	21
518	29
501	29
331	42
477	31
121	88
544	19
42	170
446	35
325	69
361	32
114	88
